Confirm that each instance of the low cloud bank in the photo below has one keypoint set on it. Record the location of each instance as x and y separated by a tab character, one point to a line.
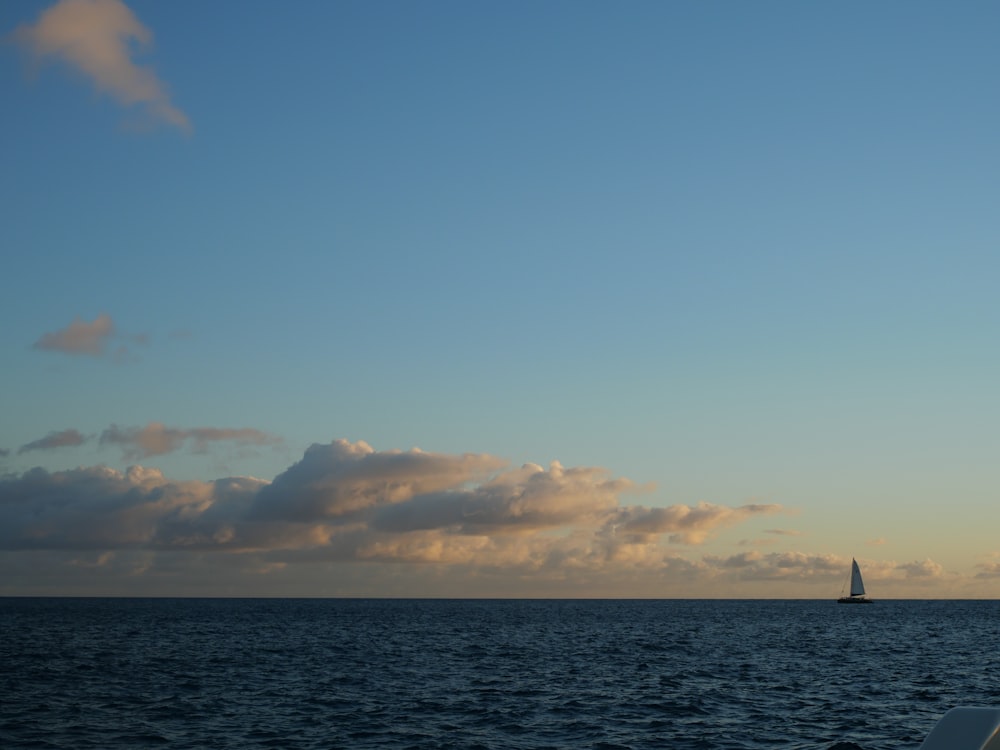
347	519
346	501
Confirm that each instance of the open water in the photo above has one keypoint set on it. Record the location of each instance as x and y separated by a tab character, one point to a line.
375	673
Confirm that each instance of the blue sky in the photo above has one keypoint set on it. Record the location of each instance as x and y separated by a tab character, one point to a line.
741	255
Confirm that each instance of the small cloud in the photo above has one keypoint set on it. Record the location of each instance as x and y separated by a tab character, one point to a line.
783	532
4	452
98	38
156	439
66	438
94	339
80	337
876	542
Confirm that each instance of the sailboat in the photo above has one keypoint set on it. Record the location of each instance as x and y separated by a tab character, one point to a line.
857	587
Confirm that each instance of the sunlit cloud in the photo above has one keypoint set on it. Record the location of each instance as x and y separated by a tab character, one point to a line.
340	479
470	517
686	524
63	439
156	439
80	337
99	38
346	502
523	500
99	338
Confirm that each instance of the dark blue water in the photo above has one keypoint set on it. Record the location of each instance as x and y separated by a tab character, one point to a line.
280	673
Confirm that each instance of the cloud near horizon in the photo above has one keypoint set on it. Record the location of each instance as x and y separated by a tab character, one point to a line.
99	39
346	502
799	566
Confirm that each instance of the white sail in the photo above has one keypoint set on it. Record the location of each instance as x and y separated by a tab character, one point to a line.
857	585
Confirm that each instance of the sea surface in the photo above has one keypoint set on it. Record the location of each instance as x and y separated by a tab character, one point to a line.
378	673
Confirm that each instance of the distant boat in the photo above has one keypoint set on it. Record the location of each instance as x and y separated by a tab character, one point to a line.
857	587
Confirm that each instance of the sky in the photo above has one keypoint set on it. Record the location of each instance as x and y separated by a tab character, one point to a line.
550	299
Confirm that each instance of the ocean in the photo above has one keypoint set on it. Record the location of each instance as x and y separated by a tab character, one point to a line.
418	673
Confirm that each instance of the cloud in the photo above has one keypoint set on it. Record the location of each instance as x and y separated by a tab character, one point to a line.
684	523
348	503
525	500
80	337
921	569
54	440
98	508
98	38
340	479
802	567
156	439
781	566
988	570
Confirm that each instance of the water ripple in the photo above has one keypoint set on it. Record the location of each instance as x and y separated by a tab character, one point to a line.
725	675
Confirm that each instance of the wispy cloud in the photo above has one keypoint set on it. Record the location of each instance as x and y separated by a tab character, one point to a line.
99	38
80	337
63	439
156	439
686	524
100	338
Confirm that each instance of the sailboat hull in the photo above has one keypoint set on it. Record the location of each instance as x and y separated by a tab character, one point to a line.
854	600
